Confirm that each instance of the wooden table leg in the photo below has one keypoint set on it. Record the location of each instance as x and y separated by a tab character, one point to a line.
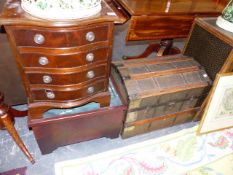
7	120
165	47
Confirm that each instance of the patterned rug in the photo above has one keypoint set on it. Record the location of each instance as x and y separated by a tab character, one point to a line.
18	171
223	166
177	154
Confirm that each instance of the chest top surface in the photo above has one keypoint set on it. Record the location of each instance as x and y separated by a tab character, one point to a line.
152	7
13	14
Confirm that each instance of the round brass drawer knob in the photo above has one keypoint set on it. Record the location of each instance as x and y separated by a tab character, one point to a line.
90	74
90	57
205	75
90	90
50	95
43	61
47	79
90	36
39	39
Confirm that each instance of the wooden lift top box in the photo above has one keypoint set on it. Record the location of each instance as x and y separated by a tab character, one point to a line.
164	90
63	127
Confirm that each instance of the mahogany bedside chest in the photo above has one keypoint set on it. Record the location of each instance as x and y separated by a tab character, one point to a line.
64	64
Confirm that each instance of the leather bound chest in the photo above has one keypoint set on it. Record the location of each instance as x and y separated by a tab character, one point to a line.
166	89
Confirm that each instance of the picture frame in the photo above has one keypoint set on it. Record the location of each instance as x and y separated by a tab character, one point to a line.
218	113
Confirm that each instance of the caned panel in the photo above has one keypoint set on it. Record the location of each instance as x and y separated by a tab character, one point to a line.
215	51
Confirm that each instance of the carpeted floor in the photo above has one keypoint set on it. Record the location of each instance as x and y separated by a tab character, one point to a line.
177	153
11	157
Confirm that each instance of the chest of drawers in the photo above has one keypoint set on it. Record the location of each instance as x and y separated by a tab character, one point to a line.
63	64
63	67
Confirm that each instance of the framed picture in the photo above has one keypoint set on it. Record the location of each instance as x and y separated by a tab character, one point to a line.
218	113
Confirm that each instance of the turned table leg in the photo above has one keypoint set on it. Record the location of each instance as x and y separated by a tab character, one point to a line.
165	47
6	121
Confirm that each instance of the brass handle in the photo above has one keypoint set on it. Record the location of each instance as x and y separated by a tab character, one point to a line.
90	57
205	75
43	61
47	79
90	90
90	74
50	95
39	39
90	36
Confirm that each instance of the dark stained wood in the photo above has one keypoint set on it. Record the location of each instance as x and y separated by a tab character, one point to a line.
69	81
159	27
67	94
68	78
37	109
54	132
14	14
60	131
148	7
165	47
62	78
116	7
10	82
71	37
165	19
30	57
223	2
7	122
17	113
